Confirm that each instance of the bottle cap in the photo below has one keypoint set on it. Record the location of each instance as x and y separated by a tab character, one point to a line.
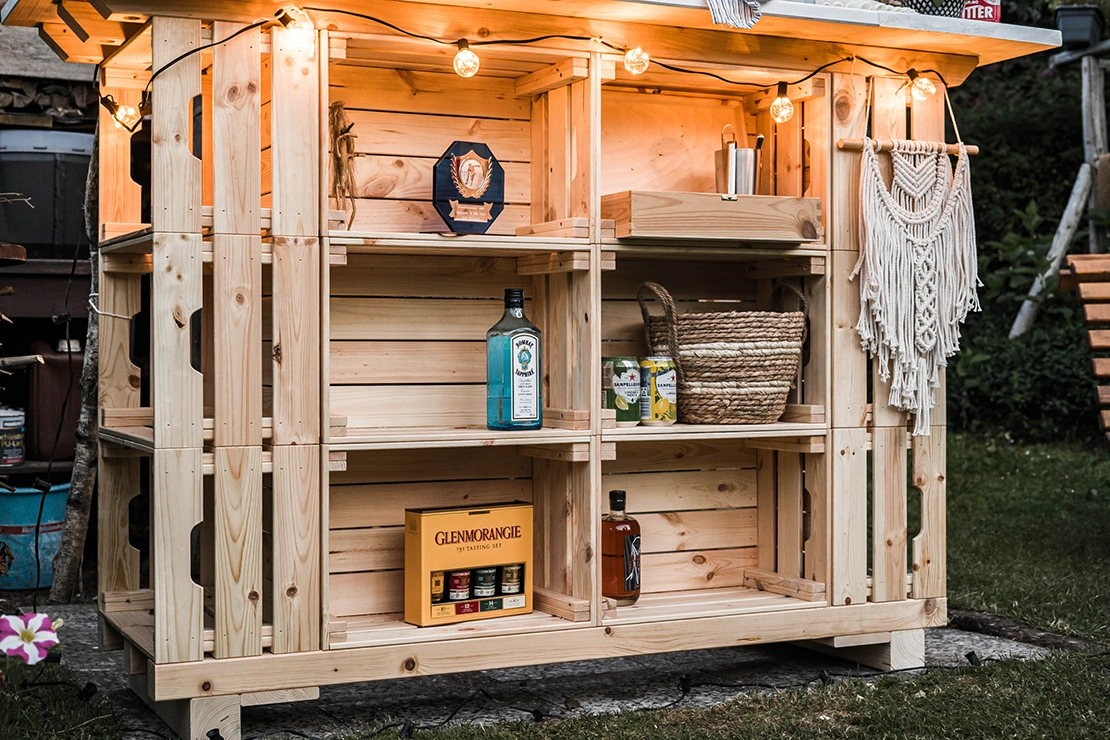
514	297
616	500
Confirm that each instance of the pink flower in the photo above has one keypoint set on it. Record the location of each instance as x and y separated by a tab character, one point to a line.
27	636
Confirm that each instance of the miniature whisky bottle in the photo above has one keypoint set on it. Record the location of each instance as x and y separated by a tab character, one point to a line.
514	369
620	553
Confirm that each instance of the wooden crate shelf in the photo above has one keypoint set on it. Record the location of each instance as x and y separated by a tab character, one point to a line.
340	377
711	602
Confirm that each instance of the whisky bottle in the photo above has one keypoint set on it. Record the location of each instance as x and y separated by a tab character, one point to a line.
620	553
514	367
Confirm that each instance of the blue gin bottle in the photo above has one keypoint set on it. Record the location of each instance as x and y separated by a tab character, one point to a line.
514	369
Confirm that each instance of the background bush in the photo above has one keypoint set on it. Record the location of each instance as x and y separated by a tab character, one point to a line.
1027	120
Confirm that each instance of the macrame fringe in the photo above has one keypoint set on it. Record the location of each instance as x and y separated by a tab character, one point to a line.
918	269
735	13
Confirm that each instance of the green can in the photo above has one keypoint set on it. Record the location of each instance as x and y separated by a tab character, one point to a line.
620	388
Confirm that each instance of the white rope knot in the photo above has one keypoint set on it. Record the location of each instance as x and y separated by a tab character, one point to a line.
918	268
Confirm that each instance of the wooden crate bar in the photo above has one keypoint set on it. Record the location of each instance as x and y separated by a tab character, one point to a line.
175	167
236	134
176	507
177	392
295	126
297	563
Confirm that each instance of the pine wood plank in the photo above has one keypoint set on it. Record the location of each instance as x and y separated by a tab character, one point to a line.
370	592
1090	292
410	178
789	510
413	134
685	490
848	508
679	455
236	138
888	539
765	484
296	127
177	392
1097	313
450	464
698	530
175	171
699	569
120	382
750	218
175	510
816	559
296	602
376	548
556	75
120	197
436	276
929	547
358	363
411	405
380	505
436	93
1100	366
296	333
415	216
236	309
238	543
117	559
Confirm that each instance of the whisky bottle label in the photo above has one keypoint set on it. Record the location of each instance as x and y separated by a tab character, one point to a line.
632	562
525	351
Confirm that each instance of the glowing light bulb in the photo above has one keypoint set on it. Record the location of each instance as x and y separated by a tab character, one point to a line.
297	21
922	88
636	61
466	61
126	117
123	116
782	110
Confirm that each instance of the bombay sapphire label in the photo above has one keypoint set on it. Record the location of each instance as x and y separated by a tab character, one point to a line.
525	349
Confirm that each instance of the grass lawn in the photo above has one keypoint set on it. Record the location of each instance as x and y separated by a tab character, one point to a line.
1029	539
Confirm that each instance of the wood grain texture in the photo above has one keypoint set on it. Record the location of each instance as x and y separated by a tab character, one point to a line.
358	363
120	380
379	505
888	513
370	592
690	570
120	196
930	576
410	178
749	218
848	361
176	507
698	530
789	545
236	137
848	507
236	311
296	340
403	466
669	455
416	216
117	560
395	134
296	601
765	472
296	129
321	668
436	93
175	172
431	276
685	490
238	543
816	561
177	392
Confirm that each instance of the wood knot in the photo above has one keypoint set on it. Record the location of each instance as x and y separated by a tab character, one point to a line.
277	353
608	630
699	560
206	686
809	231
253	595
710	575
589	553
410	664
240	298
134	381
291	592
252	88
847	599
484	33
178	318
723	487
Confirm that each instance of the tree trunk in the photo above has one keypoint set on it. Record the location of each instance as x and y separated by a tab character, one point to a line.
67	565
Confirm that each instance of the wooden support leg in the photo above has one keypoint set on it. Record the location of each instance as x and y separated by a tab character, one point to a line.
905	649
109	637
193	719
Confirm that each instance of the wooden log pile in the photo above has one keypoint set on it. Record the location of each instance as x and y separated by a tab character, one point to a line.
63	102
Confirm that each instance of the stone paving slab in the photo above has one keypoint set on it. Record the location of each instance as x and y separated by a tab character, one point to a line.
565	689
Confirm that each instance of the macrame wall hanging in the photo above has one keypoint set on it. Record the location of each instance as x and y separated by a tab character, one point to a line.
918	268
735	13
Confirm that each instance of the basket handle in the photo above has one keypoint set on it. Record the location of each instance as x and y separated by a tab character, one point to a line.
789	285
669	313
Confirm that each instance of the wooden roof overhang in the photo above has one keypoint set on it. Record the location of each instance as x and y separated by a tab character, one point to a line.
791	35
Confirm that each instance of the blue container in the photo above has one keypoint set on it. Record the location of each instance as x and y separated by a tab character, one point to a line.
18	513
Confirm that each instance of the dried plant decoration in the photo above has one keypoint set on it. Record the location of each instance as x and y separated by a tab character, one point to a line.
342	160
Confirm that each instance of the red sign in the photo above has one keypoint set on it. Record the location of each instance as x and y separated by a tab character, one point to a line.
983	10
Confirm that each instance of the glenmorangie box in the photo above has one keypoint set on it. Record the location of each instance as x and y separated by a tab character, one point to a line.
467	563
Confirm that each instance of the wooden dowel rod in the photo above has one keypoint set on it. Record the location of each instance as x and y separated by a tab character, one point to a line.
856	145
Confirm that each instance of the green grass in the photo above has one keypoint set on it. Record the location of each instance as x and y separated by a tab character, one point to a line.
1029	533
49	712
1062	697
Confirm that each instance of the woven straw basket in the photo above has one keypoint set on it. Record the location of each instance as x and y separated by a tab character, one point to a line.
734	367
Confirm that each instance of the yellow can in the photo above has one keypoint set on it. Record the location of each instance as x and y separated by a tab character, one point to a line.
658	391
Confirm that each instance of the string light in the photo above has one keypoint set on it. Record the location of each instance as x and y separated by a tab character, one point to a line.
124	117
294	19
782	110
636	61
922	88
466	62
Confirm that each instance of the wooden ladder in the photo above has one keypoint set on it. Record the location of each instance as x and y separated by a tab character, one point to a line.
1089	274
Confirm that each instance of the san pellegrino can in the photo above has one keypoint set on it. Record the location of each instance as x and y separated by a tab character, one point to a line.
620	388
658	391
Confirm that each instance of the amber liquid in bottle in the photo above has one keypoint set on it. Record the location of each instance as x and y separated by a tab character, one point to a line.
620	553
